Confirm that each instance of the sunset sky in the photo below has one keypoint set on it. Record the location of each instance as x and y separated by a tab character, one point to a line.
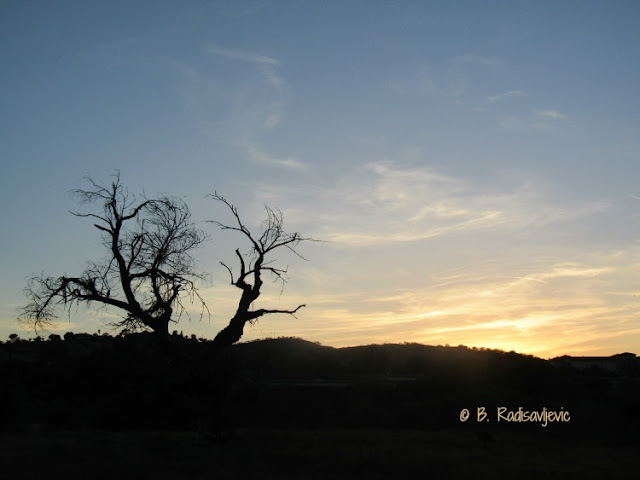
474	167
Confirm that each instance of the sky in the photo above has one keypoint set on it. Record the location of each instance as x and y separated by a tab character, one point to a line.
472	167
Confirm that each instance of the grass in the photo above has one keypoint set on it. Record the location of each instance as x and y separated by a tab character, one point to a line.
326	454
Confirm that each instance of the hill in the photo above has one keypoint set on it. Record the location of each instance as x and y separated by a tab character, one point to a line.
128	383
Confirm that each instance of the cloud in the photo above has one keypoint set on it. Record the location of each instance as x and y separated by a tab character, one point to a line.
572	270
549	114
417	254
502	96
383	203
495	304
197	91
548	119
538	120
260	156
478	309
498	98
247	106
408	204
240	55
229	103
262	98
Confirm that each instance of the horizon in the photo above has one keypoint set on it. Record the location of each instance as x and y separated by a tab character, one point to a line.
474	169
100	334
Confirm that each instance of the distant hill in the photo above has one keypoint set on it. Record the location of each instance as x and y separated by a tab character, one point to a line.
124	383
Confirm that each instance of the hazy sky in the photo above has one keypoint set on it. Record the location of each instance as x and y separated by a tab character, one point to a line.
473	166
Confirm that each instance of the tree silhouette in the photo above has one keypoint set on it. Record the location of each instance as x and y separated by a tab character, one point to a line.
148	273
252	266
149	269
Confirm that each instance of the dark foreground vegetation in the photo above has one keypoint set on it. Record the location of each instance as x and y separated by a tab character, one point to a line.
90	406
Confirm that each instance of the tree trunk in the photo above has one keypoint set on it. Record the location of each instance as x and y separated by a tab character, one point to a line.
159	325
230	334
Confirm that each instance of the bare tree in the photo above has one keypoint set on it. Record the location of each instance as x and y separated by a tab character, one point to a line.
252	267
211	389
147	273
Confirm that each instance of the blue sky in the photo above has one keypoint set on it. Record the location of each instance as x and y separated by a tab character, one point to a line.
473	166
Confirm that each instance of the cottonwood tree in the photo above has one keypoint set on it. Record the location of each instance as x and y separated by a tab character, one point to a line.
149	269
252	266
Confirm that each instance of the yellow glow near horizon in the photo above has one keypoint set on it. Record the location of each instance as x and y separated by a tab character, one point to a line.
547	310
562	308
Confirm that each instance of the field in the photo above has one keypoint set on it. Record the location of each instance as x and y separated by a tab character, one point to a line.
326	454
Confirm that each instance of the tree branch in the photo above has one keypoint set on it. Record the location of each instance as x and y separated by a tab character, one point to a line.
148	267
272	237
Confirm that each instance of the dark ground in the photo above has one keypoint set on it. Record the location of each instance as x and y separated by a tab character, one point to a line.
322	454
104	407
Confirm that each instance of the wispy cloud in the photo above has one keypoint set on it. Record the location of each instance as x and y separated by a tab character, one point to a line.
499	98
503	96
246	106
383	203
537	120
258	155
548	119
416	253
228	102
542	308
549	114
273	99
196	90
240	55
